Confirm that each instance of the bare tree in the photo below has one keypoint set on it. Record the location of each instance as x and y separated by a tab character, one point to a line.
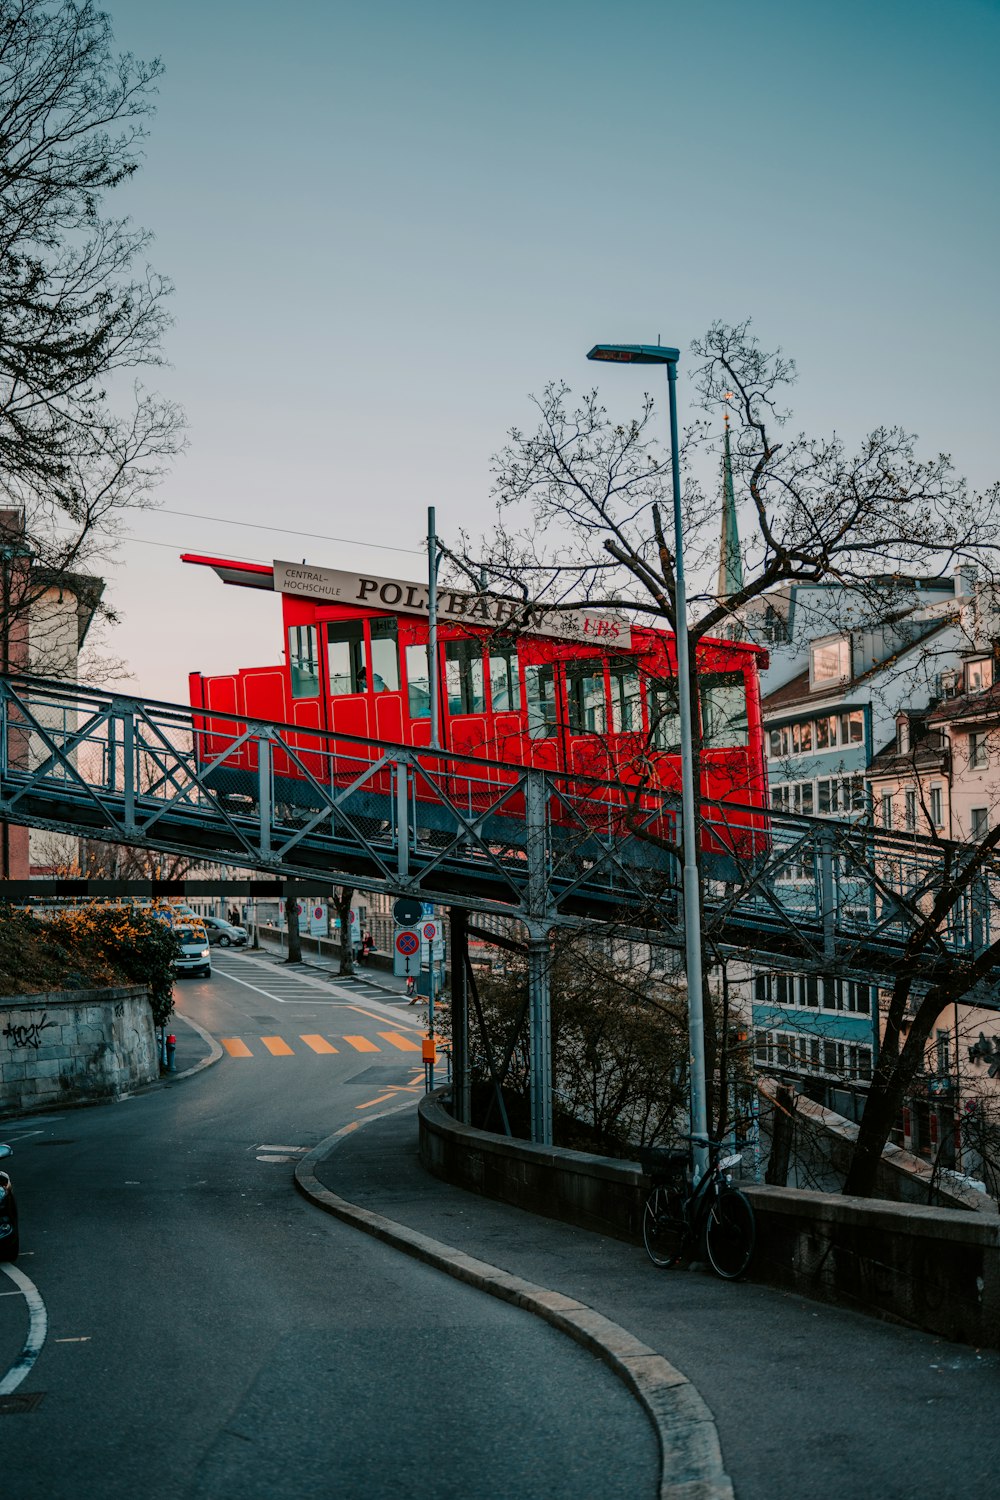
294	954
343	897
79	305
582	502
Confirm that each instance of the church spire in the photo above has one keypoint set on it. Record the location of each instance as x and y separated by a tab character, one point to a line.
730	578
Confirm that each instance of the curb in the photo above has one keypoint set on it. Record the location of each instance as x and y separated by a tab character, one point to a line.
214	1054
691	1466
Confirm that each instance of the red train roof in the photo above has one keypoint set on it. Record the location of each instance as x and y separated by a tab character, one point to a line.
245	575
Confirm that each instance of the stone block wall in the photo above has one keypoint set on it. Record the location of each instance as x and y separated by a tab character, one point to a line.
934	1268
74	1045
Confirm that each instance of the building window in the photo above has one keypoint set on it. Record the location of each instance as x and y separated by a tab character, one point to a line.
886	801
937	807
303	660
837	795
977	751
831	661
980	822
911	811
978	676
943	1049
825	733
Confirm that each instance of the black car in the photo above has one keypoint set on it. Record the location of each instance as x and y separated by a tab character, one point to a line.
10	1242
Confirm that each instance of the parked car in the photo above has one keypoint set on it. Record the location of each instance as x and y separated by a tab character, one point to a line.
224	933
9	1236
193	953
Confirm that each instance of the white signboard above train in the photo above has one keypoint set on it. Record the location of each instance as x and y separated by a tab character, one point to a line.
489	610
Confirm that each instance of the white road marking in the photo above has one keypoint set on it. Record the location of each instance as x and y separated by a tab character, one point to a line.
37	1328
310	1000
292	1150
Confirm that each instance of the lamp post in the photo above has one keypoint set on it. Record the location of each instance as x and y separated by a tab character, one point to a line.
654	354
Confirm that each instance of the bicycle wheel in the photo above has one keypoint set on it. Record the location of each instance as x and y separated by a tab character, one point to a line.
659	1231
730	1234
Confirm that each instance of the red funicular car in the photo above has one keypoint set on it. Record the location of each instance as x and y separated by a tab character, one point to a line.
585	695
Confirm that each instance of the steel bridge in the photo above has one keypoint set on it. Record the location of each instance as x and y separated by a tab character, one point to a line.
545	849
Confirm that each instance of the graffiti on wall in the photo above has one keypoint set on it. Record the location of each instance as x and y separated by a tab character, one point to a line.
27	1036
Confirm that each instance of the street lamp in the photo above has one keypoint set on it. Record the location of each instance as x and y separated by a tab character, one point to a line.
655	354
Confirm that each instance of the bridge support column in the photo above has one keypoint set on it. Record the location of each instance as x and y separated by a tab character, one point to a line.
539	1001
461	1077
539	998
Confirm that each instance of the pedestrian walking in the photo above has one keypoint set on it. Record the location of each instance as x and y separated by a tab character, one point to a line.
411	989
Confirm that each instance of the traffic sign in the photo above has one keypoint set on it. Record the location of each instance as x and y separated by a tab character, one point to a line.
406	952
430	931
407	910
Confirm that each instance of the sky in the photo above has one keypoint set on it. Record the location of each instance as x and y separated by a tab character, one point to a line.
387	224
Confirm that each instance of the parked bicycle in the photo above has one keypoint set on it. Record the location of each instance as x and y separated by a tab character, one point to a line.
678	1220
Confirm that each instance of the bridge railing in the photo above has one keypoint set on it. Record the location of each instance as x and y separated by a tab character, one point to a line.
532	842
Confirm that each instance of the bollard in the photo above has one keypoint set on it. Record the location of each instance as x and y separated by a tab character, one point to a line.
171	1049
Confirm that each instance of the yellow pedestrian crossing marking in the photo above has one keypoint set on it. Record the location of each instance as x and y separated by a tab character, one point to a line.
318	1043
277	1047
362	1044
398	1040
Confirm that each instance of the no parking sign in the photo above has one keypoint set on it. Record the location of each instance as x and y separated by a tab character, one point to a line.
406	952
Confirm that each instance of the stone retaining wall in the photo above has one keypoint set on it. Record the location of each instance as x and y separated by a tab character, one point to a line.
934	1268
74	1045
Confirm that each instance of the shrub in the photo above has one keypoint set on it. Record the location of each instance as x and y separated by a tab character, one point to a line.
87	947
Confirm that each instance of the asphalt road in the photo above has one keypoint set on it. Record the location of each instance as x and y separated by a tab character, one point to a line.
211	1334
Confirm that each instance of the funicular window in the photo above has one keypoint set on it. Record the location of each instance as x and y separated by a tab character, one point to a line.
303	659
463	666
385	656
540	689
664	717
418	682
345	645
585	697
505	688
723	710
626	709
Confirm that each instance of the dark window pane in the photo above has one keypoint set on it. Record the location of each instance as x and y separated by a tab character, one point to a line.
385	656
463	665
303	661
540	688
345	646
724	710
585	697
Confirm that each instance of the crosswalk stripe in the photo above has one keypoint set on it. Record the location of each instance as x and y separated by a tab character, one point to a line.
277	1047
235	1047
362	1044
318	1043
398	1040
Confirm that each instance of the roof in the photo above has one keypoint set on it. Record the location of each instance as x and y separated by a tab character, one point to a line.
983	705
245	575
797	693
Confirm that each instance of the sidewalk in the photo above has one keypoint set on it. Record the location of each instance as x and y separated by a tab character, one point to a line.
811	1402
378	979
